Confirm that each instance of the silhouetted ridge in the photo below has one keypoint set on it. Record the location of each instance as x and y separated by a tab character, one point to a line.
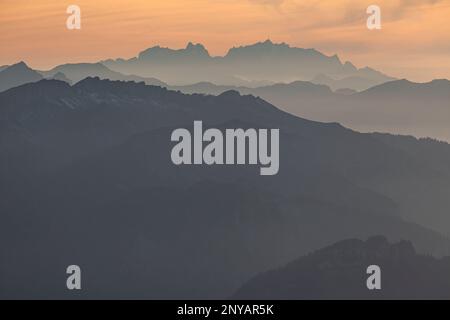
91	67
440	83
62	77
374	248
405	88
230	94
16	75
197	48
261	62
117	87
268	47
76	72
19	66
191	50
305	86
339	272
44	87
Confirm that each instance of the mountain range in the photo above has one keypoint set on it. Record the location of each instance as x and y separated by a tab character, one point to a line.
262	61
254	65
86	177
355	83
398	106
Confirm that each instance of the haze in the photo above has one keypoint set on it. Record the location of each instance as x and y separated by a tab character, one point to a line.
413	43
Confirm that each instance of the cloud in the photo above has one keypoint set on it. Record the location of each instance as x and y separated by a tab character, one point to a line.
402	7
268	2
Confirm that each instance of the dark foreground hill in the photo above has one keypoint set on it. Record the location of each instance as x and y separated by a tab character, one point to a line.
339	271
86	178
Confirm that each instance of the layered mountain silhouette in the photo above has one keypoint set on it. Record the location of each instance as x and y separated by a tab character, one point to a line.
262	61
399	107
17	74
298	89
357	83
86	178
79	71
434	89
20	73
339	272
61	77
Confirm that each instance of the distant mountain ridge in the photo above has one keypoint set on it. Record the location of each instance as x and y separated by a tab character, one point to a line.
79	71
17	74
356	83
397	106
298	88
260	61
436	89
20	73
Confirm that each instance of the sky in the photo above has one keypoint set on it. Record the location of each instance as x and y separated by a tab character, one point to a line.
413	43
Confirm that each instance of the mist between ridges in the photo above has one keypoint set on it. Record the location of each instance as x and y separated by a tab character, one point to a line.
228	147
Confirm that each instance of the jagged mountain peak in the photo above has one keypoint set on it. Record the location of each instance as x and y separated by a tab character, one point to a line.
19	66
191	49
98	85
16	75
195	47
267	46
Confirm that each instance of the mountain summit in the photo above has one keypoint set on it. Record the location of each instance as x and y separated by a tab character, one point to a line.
191	51
16	75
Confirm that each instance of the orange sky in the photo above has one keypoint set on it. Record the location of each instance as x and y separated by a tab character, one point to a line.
414	41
